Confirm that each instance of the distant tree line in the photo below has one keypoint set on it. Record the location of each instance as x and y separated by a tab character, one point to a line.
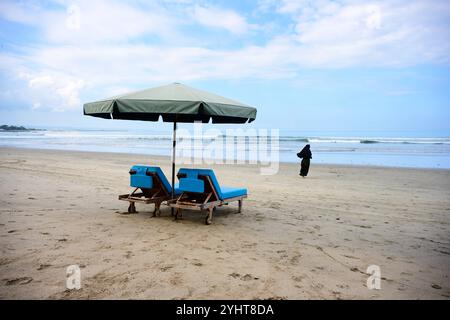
16	128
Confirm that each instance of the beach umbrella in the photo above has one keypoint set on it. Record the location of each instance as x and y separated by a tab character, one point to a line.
175	103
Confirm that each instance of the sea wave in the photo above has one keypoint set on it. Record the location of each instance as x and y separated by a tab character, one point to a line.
361	140
287	139
435	141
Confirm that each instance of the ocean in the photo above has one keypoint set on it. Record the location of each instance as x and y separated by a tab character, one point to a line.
408	149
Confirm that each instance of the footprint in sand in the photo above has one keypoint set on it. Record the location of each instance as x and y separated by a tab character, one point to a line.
295	259
319	268
274	205
272	298
21	281
176	280
436	286
363	226
443	252
343	286
298	278
43	266
165	268
4	261
246	277
197	263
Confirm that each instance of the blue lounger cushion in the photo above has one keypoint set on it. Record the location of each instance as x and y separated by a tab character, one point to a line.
141	180
192	185
187	183
230	192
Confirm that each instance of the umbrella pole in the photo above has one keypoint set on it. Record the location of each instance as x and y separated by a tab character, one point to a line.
174	145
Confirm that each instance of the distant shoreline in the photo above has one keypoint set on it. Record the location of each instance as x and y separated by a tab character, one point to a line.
168	158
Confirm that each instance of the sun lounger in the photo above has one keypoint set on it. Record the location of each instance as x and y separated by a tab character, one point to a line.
200	190
153	185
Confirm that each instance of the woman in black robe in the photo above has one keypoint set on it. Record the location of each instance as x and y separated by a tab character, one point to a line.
306	157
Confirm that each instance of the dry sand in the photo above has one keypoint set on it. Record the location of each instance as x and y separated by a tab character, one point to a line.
295	239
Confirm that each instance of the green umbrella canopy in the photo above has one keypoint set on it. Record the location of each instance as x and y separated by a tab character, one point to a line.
174	103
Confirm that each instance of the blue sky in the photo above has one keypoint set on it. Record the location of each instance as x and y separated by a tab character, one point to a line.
307	65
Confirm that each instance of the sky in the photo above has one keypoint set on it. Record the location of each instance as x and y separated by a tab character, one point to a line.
317	65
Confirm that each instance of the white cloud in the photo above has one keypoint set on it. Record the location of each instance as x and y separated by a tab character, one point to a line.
19	11
87	22
290	6
114	46
40	81
354	33
70	93
221	18
54	91
373	19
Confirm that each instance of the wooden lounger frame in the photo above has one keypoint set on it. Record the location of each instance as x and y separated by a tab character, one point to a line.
155	195
208	200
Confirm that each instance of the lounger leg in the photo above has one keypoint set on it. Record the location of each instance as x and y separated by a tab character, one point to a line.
157	210
208	219
132	208
178	214
240	206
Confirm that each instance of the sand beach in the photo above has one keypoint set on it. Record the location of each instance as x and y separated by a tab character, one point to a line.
296	238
